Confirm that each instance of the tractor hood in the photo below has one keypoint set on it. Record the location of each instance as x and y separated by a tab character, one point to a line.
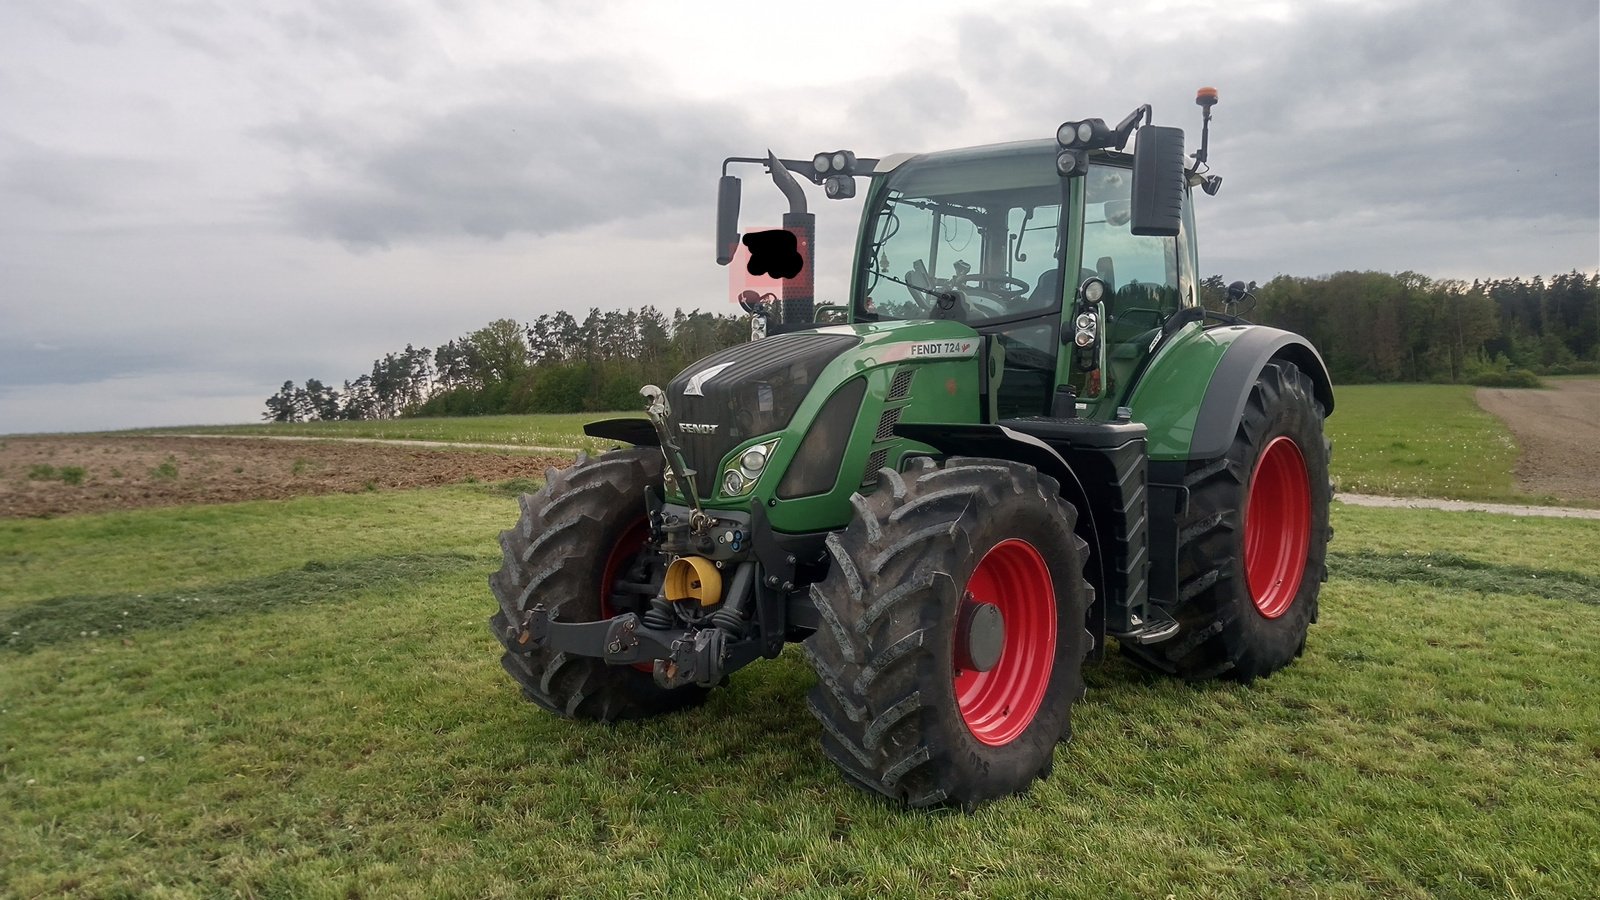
755	389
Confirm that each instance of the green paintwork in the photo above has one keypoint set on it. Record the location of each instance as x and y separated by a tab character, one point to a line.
943	391
1167	398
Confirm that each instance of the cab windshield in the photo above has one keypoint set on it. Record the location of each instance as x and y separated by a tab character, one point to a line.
988	227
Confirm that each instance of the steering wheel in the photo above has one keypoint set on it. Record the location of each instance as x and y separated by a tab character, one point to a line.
1004	287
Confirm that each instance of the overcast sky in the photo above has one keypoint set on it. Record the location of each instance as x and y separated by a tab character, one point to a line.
199	200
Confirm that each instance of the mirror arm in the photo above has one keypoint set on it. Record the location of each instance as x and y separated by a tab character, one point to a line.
786	183
1124	129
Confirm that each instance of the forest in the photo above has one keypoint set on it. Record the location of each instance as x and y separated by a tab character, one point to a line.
1369	327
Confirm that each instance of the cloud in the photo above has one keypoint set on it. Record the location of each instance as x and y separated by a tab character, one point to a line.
75	20
188	398
548	154
70	182
1420	116
28	363
912	108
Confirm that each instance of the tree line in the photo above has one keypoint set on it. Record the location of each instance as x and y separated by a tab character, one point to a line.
555	363
1369	326
1381	327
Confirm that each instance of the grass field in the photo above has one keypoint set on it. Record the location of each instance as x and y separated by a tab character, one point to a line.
301	699
1421	440
1406	440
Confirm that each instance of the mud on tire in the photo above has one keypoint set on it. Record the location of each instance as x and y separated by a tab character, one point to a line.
884	653
1228	627
574	535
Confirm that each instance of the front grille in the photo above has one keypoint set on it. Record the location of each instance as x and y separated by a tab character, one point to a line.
886	423
757	393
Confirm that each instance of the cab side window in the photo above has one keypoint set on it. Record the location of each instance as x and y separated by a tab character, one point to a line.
1141	272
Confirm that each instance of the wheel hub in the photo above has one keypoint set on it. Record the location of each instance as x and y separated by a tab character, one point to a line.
980	635
1003	649
1277	527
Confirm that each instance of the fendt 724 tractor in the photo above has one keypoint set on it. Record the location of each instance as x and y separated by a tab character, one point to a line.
1021	435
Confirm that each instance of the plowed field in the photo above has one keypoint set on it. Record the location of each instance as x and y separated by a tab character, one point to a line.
51	476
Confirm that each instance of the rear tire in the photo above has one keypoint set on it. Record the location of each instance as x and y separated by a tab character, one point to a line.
575	536
1252	546
905	711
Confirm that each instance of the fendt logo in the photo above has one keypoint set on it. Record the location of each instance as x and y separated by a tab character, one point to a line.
698	380
693	428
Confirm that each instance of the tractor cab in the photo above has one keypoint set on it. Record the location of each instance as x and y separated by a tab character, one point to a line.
994	238
1004	239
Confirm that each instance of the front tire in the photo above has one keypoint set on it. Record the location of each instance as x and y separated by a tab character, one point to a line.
1253	542
581	534
922	696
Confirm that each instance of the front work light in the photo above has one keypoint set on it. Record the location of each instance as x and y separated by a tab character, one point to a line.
1088	134
1071	163
835	162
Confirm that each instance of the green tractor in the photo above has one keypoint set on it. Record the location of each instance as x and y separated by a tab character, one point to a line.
1020	436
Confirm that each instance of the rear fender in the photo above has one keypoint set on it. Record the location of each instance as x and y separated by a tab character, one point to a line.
1236	374
1195	389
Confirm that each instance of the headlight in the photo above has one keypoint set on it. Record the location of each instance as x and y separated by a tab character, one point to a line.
741	475
820	163
1085	322
1084	339
1085	131
754	460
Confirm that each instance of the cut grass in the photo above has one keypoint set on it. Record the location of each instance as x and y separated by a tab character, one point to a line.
343	728
173	548
1421	440
553	430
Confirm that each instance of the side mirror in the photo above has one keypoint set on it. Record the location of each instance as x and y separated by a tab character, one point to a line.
727	218
1158	181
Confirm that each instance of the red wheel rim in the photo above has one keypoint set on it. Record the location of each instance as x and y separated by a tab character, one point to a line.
1277	527
998	705
623	551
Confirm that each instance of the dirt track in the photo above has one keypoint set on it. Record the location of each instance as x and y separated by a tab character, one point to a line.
1559	433
37	474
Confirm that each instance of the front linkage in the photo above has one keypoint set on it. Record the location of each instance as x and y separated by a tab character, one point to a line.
692	631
